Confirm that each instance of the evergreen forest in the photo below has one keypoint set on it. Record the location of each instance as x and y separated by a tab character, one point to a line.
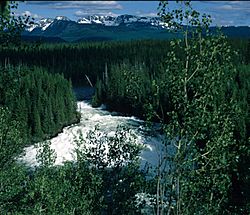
195	87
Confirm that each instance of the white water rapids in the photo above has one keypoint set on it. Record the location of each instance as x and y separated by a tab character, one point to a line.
64	145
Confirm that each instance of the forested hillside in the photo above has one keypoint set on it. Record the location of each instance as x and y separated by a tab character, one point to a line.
196	87
42	103
76	60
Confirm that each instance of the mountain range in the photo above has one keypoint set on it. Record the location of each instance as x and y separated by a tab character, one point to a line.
102	28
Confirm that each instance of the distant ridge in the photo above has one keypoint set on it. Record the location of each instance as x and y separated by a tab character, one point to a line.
104	28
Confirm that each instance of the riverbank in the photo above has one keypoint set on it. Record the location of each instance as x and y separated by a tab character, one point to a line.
81	93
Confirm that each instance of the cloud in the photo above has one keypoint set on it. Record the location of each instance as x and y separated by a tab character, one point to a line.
225	7
234	6
83	13
220	20
82	8
28	13
150	14
111	5
227	12
92	7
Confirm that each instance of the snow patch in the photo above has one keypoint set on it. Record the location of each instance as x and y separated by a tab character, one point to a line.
64	18
46	26
31	28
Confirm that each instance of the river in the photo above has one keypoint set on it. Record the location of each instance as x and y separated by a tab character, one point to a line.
64	144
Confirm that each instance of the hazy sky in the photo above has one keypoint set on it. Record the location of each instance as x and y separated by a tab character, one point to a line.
223	12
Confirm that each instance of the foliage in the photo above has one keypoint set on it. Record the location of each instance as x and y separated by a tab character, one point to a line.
14	180
75	187
102	150
42	102
77	60
10	137
199	94
115	159
11	25
45	155
202	117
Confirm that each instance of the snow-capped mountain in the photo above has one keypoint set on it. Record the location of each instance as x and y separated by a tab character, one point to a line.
122	20
94	19
106	28
43	24
64	18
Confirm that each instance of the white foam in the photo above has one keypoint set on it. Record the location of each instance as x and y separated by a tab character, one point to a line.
64	144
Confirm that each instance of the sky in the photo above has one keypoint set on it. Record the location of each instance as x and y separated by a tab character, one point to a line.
235	13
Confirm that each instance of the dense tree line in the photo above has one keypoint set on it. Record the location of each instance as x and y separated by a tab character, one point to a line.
42	103
200	94
132	88
77	60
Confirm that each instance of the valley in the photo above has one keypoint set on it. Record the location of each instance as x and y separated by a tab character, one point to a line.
106	108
